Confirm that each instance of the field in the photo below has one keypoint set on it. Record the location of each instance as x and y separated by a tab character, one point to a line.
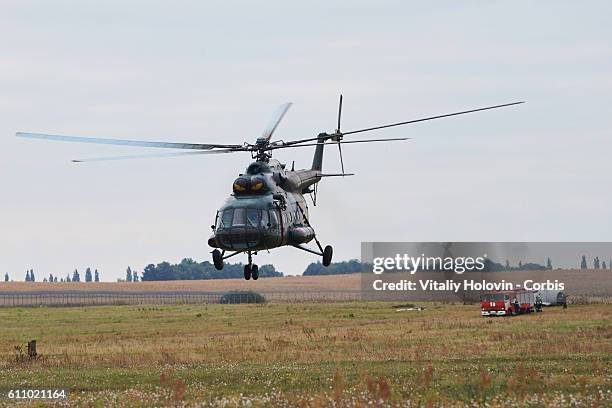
591	282
582	286
340	354
292	283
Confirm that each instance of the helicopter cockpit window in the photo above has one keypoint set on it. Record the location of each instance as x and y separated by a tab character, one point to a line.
253	216
225	219
239	217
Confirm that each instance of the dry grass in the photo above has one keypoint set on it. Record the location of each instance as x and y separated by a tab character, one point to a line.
340	282
349	354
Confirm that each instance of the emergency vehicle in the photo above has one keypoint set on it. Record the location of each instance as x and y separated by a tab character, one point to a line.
502	302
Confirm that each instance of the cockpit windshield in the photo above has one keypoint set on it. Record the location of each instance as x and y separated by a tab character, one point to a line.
253	216
239	217
250	217
225	219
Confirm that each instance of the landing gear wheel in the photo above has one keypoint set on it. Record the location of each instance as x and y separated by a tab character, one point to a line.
217	259
247	272
327	255
255	272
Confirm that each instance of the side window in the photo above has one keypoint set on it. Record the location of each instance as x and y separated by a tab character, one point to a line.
264	218
239	217
273	218
226	219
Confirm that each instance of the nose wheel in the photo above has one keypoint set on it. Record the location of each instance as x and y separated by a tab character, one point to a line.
251	270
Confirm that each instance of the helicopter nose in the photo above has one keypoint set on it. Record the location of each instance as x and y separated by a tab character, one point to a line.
238	238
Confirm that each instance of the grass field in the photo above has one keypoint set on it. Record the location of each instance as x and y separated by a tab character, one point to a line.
343	354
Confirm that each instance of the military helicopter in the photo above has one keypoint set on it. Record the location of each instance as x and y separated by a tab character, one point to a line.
267	208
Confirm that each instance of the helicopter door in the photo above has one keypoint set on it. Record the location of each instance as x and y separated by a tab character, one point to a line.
276	223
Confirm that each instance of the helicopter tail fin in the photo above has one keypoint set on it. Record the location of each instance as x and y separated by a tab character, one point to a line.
317	160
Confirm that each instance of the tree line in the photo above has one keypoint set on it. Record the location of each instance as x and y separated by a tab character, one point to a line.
188	269
335	268
75	277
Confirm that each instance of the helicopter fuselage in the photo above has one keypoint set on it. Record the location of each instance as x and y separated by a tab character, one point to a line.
266	210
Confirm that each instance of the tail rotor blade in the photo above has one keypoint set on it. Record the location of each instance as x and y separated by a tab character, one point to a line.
339	114
341	161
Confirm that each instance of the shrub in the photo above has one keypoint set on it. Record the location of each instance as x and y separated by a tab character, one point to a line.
242	297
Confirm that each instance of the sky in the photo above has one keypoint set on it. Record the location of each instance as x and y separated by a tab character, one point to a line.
213	72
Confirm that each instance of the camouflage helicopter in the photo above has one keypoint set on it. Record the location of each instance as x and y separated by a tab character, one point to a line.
267	208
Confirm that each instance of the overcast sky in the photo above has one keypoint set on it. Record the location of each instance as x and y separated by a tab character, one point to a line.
215	71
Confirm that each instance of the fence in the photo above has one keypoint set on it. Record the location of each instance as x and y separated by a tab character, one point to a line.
87	298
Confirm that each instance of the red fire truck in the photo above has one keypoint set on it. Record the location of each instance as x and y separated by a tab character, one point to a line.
507	302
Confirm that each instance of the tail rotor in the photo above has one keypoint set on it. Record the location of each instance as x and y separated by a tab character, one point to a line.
337	136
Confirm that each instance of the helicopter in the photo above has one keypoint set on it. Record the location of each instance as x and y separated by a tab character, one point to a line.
267	208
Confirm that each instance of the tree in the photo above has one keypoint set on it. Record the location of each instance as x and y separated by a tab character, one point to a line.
149	273
88	275
596	263
32	277
50	277
583	263
27	278
548	264
55	279
6	277
128	274
603	265
336	268
135	276
507	265
520	266
96	276
68	278
75	276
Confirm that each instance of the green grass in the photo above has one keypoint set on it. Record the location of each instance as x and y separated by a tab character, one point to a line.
342	354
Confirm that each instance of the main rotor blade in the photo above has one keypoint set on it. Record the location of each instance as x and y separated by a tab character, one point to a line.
395	139
310	139
341	160
122	142
431	118
277	116
147	156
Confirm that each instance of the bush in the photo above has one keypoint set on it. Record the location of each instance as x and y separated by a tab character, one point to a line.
235	297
